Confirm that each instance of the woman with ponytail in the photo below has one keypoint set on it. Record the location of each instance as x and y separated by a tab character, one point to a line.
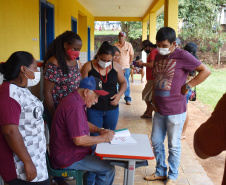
22	139
61	73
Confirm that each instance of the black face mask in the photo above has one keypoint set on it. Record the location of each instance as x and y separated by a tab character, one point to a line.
147	51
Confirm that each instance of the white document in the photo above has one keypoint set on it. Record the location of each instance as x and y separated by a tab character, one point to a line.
122	136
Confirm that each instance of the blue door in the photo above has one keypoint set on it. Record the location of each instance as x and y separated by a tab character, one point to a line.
74	25
47	33
89	49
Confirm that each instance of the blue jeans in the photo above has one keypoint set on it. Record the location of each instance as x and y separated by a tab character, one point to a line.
172	125
104	172
106	119
127	92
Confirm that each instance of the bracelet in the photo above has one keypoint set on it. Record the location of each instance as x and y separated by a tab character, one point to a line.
99	129
153	105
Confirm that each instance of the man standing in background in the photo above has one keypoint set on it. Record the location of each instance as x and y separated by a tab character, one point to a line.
125	60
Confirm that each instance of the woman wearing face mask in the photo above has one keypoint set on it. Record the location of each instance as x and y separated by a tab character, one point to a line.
61	74
22	139
105	113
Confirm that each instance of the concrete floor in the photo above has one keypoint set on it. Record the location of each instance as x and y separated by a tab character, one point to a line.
191	171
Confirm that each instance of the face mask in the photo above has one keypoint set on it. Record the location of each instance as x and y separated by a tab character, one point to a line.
163	51
147	51
72	54
104	64
35	81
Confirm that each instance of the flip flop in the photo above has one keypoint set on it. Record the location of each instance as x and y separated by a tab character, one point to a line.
144	116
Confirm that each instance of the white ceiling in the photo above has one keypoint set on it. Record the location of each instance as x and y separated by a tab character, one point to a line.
116	8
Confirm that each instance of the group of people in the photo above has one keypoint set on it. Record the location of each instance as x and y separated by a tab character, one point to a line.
83	104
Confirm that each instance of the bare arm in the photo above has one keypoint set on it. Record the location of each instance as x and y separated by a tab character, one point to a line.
93	140
203	73
131	59
48	98
85	69
16	143
148	65
122	85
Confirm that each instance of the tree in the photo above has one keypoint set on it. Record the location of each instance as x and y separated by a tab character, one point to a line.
200	20
133	29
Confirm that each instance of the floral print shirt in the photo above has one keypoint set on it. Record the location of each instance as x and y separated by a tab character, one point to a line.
64	83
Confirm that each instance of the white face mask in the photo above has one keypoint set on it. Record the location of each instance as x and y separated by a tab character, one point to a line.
163	51
104	64
35	81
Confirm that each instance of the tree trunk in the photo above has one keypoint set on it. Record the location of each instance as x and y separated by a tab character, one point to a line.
219	56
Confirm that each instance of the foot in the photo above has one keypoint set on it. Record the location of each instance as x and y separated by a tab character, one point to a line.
146	116
154	177
128	102
171	182
183	137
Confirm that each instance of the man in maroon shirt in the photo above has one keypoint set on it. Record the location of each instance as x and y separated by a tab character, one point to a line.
70	142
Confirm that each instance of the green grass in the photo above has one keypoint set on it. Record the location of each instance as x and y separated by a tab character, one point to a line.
211	90
106	32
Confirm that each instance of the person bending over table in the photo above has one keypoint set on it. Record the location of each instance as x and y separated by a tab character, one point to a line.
70	142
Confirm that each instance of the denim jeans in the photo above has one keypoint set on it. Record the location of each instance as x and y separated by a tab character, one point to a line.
172	125
106	119
104	172
127	92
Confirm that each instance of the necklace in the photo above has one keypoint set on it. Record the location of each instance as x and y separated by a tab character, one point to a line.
101	75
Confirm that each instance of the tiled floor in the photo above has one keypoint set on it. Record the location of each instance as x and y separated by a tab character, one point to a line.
190	171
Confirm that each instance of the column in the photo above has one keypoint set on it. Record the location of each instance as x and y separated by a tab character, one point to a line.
152	27
171	14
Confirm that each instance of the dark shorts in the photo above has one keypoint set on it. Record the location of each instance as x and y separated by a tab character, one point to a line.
21	182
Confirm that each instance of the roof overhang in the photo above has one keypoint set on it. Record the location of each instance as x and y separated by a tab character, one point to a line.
122	10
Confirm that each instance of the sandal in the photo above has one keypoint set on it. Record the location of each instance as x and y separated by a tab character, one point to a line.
145	116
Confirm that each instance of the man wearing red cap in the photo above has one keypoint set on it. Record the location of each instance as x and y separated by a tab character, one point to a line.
70	142
125	60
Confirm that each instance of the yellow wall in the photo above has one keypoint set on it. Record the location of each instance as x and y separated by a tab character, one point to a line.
19	23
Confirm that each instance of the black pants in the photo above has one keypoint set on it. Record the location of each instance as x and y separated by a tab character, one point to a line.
21	182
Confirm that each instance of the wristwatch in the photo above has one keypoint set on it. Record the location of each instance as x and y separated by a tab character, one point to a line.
188	87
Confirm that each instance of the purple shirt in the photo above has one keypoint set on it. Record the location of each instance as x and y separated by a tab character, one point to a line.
69	121
170	73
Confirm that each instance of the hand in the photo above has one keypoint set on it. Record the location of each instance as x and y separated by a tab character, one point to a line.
184	90
115	99
140	63
30	171
154	107
102	131
108	136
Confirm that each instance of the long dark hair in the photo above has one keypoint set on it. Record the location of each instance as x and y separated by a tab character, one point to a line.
11	68
106	49
56	49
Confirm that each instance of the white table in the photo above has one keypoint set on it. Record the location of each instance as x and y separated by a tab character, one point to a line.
129	153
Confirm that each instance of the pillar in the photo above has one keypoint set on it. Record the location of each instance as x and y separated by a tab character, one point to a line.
152	27
171	14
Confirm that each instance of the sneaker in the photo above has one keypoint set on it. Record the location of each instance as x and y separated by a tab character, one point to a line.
171	182
128	102
154	177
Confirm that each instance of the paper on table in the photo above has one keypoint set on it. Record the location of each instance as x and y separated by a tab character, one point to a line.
122	137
